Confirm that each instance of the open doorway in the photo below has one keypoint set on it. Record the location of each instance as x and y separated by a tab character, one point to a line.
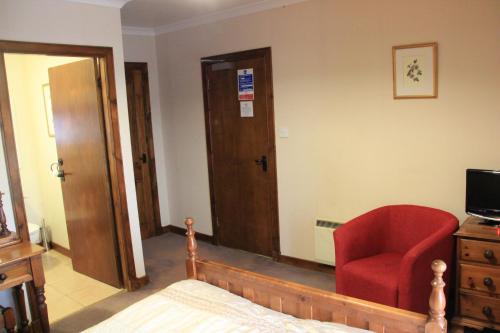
100	60
58	127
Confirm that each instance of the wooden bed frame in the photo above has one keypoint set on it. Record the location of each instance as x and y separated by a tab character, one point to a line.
310	303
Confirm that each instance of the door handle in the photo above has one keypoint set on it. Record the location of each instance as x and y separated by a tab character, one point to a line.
57	171
263	162
61	175
144	158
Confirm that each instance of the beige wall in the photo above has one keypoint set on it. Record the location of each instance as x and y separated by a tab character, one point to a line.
352	147
143	49
36	150
58	21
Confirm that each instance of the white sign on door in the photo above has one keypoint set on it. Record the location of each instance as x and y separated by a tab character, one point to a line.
246	109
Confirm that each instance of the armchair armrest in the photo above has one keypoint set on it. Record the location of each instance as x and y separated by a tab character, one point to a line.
414	274
361	237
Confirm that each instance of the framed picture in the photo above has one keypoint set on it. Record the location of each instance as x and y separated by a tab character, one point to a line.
415	71
48	109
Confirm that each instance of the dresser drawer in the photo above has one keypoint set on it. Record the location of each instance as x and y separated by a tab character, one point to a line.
480	278
480	251
14	272
480	307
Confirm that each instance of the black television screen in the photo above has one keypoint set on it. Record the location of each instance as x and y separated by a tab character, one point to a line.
482	196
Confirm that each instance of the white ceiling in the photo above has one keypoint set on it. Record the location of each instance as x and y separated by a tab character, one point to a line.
152	17
160	16
156	13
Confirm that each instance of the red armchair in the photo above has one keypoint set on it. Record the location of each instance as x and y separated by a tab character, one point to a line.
384	256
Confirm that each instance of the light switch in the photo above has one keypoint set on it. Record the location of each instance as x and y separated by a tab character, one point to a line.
283	132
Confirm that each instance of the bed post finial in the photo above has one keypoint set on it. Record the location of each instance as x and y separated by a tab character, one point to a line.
191	249
436	323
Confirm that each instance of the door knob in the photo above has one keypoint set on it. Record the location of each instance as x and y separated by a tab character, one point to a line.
144	158
263	162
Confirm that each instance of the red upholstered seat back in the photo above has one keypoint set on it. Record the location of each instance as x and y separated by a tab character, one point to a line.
408	225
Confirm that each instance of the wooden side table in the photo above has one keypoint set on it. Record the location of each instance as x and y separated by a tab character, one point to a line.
22	263
477	302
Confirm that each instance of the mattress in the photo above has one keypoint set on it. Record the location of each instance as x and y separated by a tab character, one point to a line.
195	306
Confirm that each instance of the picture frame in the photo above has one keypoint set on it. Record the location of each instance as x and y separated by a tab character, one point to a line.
49	117
415	71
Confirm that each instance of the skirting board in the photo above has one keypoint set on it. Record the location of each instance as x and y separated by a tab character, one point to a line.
61	249
312	265
182	231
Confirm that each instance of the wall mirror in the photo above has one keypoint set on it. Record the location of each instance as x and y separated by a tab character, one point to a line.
8	227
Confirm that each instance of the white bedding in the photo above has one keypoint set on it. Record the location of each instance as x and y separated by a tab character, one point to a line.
195	306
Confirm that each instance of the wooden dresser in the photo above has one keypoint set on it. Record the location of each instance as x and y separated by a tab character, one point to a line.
477	302
22	264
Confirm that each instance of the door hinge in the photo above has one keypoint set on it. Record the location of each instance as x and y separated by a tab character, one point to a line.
208	84
99	83
217	223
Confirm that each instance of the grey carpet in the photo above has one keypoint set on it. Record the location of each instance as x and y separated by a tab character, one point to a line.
164	258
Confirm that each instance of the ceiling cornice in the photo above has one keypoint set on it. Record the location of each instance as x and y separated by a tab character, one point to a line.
104	3
138	31
210	18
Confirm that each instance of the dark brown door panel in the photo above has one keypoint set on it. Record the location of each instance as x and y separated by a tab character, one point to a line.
241	153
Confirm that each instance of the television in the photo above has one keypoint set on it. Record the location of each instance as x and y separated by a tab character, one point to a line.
482	194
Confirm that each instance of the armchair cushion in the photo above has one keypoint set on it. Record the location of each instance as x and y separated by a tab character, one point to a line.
374	278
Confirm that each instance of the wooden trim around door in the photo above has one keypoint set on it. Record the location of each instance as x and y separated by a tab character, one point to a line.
207	61
114	152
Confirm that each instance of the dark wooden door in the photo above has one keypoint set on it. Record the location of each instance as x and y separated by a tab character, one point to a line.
241	153
141	133
80	140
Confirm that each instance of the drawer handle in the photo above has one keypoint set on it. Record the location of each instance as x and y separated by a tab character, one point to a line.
488	254
488	282
487	311
3	277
